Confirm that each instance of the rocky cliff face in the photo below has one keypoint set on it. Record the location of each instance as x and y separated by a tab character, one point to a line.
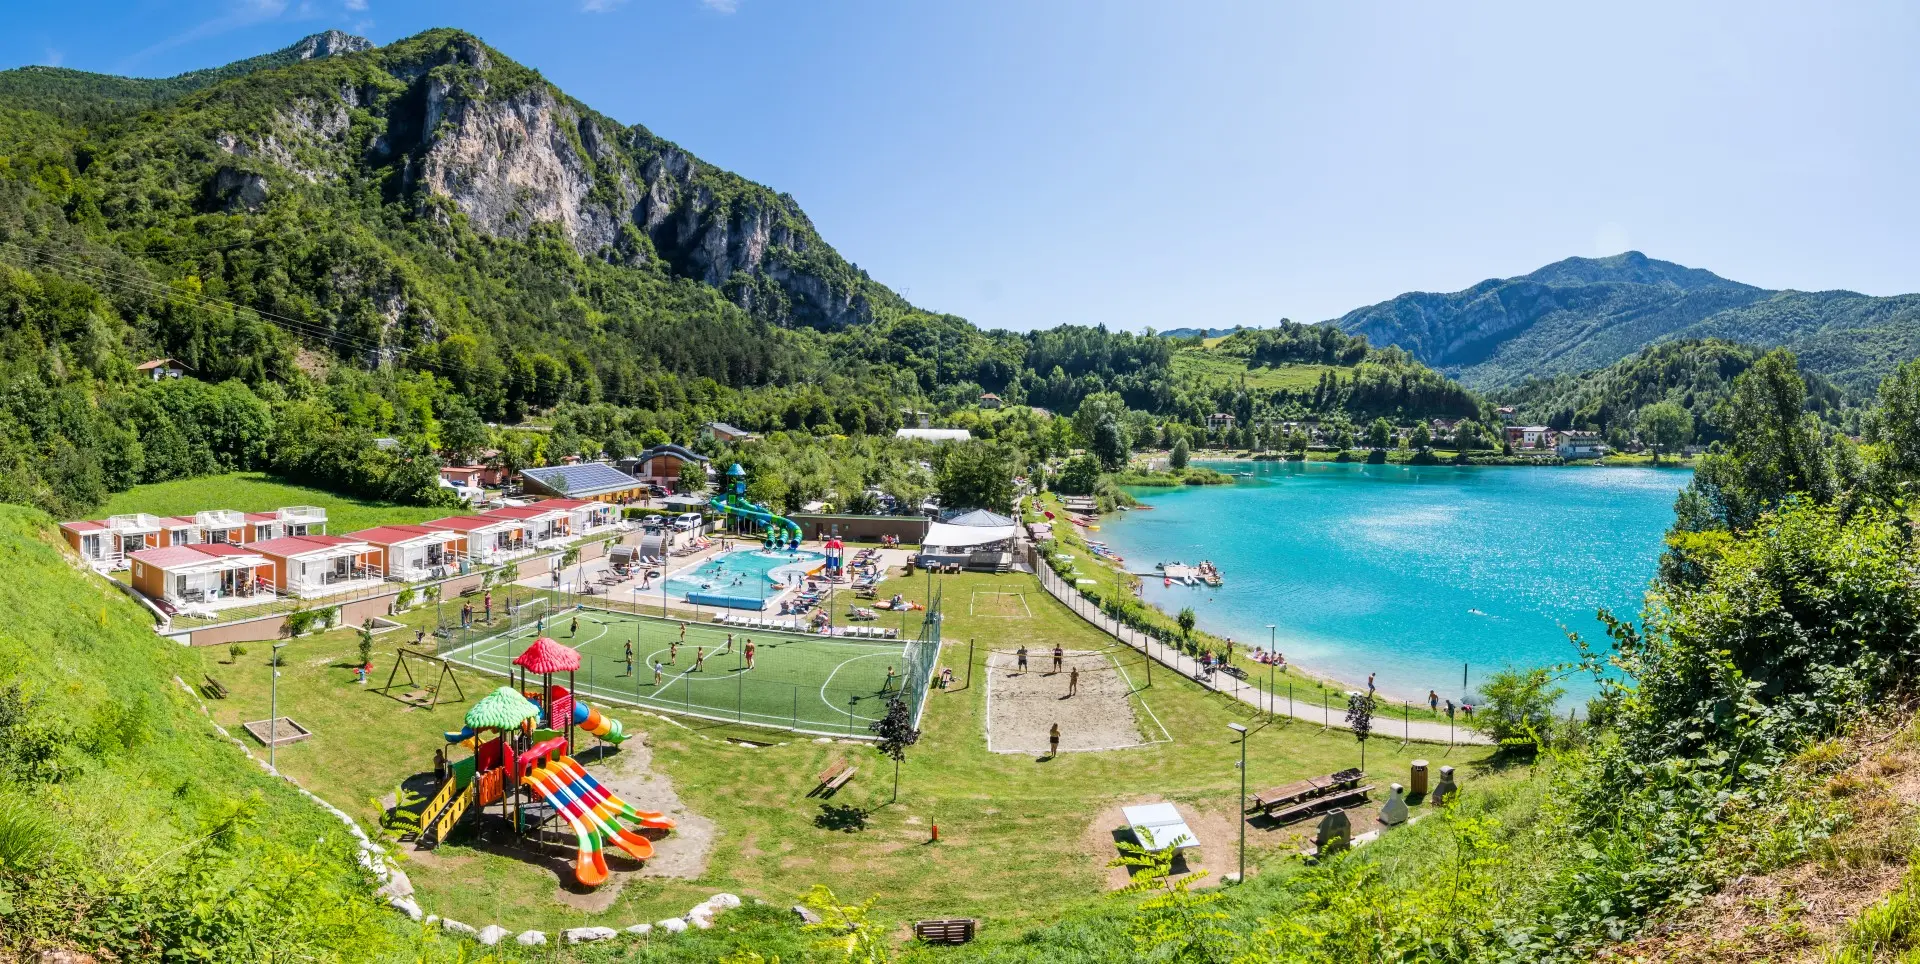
474	134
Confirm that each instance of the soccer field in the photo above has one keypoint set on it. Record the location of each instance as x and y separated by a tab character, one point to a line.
806	683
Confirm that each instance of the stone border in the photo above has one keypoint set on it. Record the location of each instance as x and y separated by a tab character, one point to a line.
398	890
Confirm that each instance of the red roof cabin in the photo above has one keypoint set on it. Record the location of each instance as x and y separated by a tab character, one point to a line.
212	576
412	552
319	565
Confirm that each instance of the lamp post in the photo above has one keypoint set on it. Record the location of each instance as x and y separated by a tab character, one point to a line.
273	710
1237	728
1271	643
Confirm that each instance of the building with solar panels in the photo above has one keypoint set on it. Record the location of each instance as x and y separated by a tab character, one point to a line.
595	481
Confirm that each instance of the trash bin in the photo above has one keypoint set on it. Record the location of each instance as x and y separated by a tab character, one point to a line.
1417	783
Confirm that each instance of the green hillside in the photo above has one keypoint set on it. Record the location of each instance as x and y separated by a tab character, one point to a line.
1587	313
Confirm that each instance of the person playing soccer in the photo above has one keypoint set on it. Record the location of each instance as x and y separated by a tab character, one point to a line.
629	650
683	632
573	628
659	672
699	658
749	654
887	687
1073	682
673	654
729	648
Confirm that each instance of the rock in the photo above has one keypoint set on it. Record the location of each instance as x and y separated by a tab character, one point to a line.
60	955
640	930
582	935
724	901
531	939
824	739
397	885
672	925
452	926
492	934
703	921
432	919
806	914
238	190
405	905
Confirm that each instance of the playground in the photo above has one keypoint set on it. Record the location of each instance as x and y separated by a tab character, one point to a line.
811	684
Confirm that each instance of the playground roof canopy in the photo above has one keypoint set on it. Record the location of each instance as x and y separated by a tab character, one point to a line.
547	656
502	709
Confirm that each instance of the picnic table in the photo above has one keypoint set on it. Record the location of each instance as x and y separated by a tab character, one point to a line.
1299	790
1319	805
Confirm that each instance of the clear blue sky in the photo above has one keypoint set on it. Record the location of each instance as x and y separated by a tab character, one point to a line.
1026	164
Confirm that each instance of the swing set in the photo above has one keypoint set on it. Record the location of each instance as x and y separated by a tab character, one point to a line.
428	697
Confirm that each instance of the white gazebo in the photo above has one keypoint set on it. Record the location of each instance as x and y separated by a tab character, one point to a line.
976	540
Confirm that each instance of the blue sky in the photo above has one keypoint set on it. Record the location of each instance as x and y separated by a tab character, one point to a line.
1168	164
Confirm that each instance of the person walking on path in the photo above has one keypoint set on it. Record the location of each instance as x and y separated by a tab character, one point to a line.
1053	741
1370	686
1073	682
1433	701
1021	653
1059	656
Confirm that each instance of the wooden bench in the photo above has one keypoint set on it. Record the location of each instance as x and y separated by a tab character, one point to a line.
1301	790
1322	804
835	776
214	687
945	930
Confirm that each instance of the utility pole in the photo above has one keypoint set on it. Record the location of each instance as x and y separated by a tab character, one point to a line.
1241	877
273	710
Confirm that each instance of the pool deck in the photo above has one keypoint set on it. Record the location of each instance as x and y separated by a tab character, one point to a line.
631	593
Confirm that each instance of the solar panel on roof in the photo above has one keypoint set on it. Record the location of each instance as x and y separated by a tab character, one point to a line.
585	479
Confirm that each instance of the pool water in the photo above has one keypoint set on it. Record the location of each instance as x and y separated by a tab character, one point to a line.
749	573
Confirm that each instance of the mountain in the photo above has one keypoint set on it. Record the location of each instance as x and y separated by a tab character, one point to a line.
84	96
1587	313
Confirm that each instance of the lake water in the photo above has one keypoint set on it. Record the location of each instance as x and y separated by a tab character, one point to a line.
1408	571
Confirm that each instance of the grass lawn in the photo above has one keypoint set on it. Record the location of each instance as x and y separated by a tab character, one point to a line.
819	685
1213	366
1021	840
259	492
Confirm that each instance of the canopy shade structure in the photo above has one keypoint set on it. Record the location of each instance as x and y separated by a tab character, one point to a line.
949	536
548	656
502	709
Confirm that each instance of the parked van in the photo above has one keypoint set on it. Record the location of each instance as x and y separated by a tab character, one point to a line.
688	520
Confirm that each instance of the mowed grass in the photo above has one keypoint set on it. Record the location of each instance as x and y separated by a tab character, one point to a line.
1021	840
809	683
1213	366
259	492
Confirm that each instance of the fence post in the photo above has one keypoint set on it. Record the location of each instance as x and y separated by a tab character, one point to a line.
796	708
1326	711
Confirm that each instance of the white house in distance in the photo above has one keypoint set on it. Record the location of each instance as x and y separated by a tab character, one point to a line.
294	520
1220	420
107	544
161	369
1529	436
544	523
585	516
935	434
723	432
209	576
319	565
1580	445
487	539
412	552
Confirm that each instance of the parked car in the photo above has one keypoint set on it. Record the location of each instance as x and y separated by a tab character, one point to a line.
687	520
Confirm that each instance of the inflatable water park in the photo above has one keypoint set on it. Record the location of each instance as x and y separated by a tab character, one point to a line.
523	775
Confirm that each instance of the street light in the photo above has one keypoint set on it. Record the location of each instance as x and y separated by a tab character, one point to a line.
273	710
1237	728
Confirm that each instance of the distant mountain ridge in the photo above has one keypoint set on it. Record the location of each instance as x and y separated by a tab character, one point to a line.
1587	313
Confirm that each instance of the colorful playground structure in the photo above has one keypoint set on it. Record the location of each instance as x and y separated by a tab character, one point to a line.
522	737
781	532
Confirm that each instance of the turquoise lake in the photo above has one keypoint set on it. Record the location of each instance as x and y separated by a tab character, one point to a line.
1408	571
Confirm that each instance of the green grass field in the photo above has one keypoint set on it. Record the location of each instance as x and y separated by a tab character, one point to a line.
1216	367
259	492
807	683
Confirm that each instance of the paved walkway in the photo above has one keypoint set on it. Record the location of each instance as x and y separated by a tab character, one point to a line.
1384	726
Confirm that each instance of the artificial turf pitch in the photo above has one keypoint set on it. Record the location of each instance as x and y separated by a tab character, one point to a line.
807	683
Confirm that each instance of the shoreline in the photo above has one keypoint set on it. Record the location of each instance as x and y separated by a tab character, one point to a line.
1518	462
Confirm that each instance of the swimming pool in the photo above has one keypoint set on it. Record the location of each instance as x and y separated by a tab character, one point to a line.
743	574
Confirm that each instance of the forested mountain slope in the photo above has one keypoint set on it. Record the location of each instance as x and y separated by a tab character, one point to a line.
1587	313
344	242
